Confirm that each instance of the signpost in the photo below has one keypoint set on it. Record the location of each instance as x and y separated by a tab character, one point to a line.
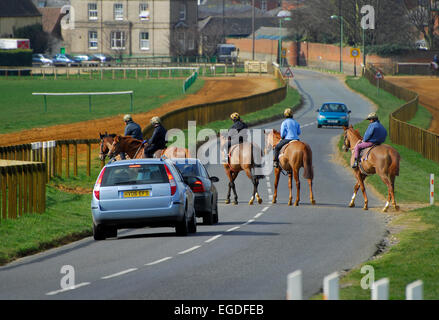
378	76
355	53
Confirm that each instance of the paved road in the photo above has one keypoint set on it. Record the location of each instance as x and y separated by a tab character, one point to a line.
248	255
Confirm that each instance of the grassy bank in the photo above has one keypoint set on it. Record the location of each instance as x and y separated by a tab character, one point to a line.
415	254
28	111
68	216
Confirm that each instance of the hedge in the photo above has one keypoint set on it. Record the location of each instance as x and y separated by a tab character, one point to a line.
16	58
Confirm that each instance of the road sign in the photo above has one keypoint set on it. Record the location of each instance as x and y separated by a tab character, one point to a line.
355	52
284	53
379	75
288	73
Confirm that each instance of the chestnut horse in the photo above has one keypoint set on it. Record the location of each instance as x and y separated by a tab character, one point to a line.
242	158
106	142
382	160
135	149
296	154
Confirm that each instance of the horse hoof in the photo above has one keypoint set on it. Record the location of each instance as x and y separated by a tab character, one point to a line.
396	208
227	201
235	202
365	208
296	204
384	210
313	202
250	202
273	201
351	204
290	203
260	200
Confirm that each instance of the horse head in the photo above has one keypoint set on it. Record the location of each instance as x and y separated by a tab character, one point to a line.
272	138
106	142
115	147
350	137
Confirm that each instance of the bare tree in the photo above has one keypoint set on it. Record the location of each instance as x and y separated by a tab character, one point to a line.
423	17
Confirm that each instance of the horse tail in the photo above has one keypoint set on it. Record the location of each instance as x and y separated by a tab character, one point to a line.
308	172
394	166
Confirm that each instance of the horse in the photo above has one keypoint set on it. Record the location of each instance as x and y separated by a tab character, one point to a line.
241	158
381	159
106	142
134	148
296	154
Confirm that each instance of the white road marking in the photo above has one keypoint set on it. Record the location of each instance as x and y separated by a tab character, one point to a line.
68	289
213	238
158	261
119	273
258	215
269	190
232	229
248	222
265	209
189	250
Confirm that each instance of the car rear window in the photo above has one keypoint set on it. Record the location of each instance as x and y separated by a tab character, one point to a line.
188	170
134	174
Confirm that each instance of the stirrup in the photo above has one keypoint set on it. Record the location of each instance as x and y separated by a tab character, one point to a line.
275	164
355	165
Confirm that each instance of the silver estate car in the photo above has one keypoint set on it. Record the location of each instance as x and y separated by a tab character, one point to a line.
139	193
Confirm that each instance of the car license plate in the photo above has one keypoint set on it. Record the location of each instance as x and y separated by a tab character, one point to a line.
136	194
332	121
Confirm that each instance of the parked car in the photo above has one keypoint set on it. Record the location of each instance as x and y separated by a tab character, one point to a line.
333	114
87	60
206	196
106	60
141	192
65	60
41	59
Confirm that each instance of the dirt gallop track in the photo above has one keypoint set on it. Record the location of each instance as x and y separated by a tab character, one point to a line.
215	89
428	90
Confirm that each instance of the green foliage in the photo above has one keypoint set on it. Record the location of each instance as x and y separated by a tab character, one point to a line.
389	49
39	39
15	58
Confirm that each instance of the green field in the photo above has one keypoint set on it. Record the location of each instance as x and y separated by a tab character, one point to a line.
415	253
25	111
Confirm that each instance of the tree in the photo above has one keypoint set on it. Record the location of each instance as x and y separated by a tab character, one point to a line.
40	40
423	15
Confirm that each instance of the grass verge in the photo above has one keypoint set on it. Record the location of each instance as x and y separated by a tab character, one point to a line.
414	234
67	217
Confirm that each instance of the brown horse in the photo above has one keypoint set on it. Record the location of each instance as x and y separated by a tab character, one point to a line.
382	160
135	149
296	154
105	145
241	158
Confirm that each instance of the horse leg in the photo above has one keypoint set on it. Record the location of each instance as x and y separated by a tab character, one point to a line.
296	177
276	183
388	183
311	194
254	181
363	189
356	187
290	186
392	180
229	175
234	176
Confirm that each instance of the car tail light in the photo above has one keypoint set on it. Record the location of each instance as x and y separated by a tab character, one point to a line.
197	186
171	181
98	185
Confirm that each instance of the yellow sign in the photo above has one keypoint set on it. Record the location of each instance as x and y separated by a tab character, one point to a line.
284	53
355	52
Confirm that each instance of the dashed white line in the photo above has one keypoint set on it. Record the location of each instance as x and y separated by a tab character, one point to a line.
269	190
213	238
232	229
158	261
265	209
258	215
119	273
248	222
189	250
68	289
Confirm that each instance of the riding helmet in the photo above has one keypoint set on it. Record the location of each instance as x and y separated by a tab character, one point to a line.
155	120
372	116
235	116
127	117
288	113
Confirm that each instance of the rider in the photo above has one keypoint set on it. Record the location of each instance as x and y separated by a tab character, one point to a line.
132	129
158	138
238	125
375	135
289	131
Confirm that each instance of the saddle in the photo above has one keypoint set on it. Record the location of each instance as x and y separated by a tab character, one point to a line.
282	150
364	155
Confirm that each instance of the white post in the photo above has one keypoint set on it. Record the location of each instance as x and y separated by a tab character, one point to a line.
294	285
380	289
330	287
414	291
431	189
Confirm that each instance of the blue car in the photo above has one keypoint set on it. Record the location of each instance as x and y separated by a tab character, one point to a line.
139	193
333	114
65	60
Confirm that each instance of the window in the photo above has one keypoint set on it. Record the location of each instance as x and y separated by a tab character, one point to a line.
190	42
92	11
41	3
143	11
92	39
144	40
180	39
264	5
118	40
118	11
182	15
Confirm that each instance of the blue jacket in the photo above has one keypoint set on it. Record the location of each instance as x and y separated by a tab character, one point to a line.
133	129
375	133
290	129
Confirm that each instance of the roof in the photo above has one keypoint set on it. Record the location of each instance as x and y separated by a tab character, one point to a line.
234	10
272	33
51	19
236	26
18	8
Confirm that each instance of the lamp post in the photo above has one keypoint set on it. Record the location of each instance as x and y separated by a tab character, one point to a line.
341	40
282	15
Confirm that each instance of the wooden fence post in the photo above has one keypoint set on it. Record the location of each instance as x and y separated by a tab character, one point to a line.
67	159
88	159
4	177
75	158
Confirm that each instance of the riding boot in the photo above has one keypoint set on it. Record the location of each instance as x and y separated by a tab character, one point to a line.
275	164
355	165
